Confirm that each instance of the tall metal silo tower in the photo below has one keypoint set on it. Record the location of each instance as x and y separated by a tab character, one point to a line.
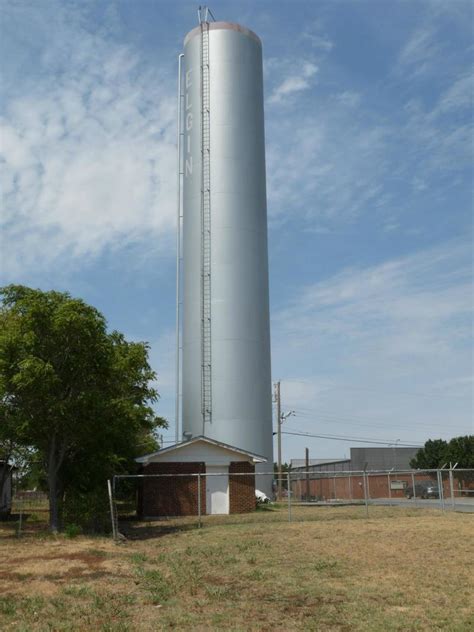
226	373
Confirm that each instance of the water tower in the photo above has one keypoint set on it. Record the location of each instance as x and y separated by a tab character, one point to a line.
224	383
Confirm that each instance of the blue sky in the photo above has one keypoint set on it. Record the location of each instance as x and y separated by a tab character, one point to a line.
369	170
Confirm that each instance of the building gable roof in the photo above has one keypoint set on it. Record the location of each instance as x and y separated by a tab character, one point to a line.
257	458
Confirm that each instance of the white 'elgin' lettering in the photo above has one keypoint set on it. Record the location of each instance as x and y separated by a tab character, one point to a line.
189	166
188	78
188	163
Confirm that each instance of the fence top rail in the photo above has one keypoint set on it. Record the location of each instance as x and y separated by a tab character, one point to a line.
116	476
294	474
370	472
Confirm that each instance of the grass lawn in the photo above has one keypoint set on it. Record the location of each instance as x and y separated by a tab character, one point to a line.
402	569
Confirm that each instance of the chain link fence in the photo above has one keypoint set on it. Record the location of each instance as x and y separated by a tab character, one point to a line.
445	488
23	506
147	505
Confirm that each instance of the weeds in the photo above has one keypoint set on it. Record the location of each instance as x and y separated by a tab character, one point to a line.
72	530
78	591
334	572
7	606
325	565
156	585
138	558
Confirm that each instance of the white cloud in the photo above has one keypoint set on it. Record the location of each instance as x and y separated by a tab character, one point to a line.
320	42
336	158
458	96
316	34
349	98
297	82
415	297
419	52
326	165
87	151
386	346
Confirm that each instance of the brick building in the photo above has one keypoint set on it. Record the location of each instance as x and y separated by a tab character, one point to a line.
224	486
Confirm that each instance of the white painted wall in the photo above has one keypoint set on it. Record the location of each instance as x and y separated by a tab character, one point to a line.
199	451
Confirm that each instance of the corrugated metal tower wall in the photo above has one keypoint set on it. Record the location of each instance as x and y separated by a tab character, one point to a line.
226	373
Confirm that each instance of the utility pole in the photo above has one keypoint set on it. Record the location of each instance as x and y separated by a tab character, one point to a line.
278	403
280	419
306	454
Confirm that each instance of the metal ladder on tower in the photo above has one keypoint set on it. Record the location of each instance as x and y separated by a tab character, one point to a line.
206	357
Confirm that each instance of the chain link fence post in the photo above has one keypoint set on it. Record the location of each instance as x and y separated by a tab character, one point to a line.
440	488
451	487
112	512
199	502
414	489
288	482
20	520
366	486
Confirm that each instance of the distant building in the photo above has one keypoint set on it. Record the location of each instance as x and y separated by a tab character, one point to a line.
388	475
379	458
325	464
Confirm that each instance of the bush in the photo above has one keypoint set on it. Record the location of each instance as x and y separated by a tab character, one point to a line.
72	530
87	510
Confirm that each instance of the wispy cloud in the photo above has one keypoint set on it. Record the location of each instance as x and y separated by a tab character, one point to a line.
87	151
338	158
413	301
348	98
459	96
315	33
319	41
420	51
369	336
313	173
296	82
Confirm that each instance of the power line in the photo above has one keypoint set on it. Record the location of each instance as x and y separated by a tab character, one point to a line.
345	387
325	417
349	417
303	411
353	439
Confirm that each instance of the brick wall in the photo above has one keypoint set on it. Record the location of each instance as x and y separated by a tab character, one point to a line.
174	495
241	488
352	487
178	495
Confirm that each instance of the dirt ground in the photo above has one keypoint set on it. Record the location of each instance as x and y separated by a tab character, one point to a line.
330	569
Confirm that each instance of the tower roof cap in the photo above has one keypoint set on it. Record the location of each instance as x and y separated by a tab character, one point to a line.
231	26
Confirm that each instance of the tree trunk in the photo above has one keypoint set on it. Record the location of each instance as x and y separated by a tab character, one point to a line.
55	459
53	501
4	474
5	471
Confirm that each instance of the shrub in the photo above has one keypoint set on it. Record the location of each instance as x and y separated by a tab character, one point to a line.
88	510
72	530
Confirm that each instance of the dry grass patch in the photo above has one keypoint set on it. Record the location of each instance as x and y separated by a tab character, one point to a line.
401	570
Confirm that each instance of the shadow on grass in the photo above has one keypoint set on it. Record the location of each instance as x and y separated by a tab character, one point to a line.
30	525
267	507
140	531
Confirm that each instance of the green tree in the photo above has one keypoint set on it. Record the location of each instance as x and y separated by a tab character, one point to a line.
13	452
431	456
435	453
81	398
460	450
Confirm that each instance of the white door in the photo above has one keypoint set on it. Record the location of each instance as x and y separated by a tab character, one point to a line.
217	489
